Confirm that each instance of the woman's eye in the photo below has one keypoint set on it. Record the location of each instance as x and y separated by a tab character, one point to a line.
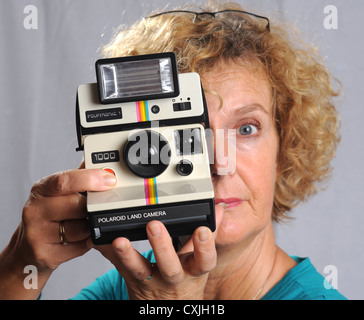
248	129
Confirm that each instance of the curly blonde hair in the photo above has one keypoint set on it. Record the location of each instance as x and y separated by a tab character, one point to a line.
305	117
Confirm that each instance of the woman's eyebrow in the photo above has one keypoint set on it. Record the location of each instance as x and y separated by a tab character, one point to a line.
250	108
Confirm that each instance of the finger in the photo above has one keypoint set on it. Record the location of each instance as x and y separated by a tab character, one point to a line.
204	256
58	208
74	181
187	242
119	253
130	262
74	230
168	261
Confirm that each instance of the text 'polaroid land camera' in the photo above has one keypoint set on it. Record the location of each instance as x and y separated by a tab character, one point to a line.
146	123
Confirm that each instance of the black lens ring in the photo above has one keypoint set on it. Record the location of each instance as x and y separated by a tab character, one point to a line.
157	154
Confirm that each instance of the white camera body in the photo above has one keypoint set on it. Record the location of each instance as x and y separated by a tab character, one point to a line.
158	151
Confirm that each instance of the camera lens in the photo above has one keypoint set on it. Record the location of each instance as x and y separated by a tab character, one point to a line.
184	167
147	154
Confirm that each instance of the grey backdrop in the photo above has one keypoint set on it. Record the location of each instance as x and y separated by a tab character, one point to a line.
41	69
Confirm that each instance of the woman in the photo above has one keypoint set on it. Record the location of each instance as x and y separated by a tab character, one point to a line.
278	100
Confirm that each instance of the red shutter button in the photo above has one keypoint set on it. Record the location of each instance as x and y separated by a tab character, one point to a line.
110	170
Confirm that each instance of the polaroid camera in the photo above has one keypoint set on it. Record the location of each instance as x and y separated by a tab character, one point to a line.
146	123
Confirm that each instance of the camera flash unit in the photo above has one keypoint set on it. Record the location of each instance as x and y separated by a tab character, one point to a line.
144	77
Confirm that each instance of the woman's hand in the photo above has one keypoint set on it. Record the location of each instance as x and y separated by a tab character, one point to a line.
54	201
181	275
57	199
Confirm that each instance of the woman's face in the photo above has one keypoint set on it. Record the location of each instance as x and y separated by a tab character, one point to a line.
244	170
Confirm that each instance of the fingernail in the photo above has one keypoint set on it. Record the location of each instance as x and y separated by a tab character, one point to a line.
203	235
109	180
154	229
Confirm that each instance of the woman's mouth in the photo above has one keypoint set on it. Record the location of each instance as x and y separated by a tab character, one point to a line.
228	203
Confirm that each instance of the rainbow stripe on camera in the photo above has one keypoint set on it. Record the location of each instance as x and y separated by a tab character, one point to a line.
150	190
142	111
150	185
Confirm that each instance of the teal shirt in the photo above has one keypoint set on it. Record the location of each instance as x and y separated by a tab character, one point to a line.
302	282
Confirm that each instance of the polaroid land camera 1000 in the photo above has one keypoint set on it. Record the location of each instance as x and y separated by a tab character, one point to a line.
144	122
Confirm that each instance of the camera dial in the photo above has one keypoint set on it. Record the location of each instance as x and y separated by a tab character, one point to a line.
147	154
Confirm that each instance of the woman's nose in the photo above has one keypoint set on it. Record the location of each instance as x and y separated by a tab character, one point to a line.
224	159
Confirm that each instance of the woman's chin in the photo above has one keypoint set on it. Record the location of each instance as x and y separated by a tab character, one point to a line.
229	231
235	226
